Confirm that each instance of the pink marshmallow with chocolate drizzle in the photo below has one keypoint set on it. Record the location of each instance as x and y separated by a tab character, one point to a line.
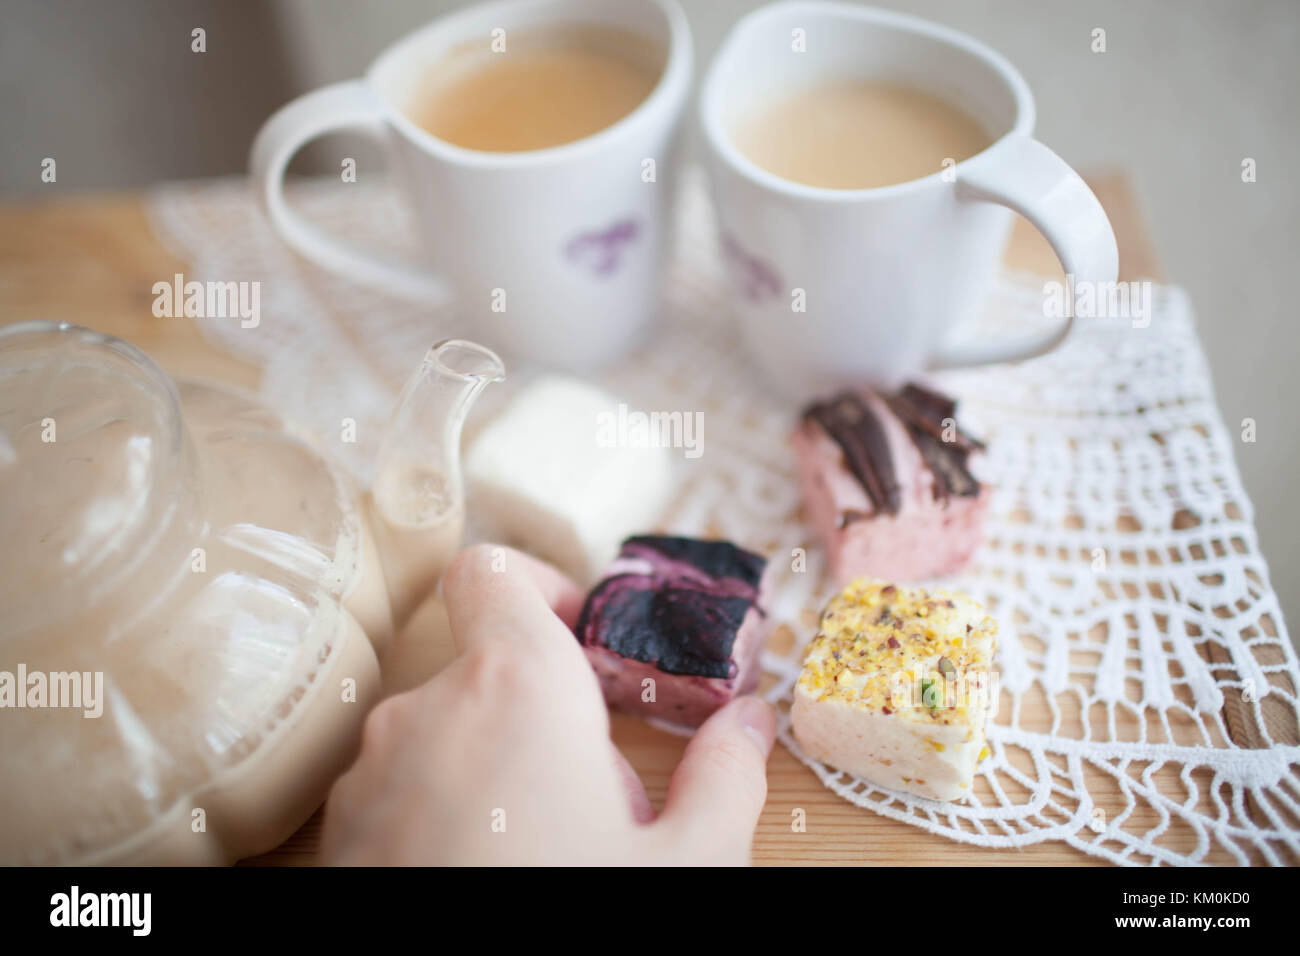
675	627
887	485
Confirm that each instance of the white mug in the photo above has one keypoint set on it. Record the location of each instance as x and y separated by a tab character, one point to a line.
554	254
886	274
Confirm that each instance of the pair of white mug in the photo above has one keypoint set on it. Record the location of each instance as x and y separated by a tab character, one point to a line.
575	235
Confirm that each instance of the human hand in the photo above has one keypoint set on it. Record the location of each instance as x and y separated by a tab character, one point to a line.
505	756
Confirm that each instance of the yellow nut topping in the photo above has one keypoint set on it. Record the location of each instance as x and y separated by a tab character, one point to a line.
906	651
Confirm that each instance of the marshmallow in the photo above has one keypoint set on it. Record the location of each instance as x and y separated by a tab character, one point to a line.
544	478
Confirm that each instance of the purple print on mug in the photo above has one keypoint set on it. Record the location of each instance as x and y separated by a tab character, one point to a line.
601	250
757	279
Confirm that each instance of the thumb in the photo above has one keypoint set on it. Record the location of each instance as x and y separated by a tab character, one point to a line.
718	789
499	594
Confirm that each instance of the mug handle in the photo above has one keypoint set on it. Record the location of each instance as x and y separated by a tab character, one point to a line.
1026	176
340	106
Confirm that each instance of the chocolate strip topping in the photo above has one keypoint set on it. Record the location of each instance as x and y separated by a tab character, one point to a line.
936	405
923	413
927	410
946	461
852	425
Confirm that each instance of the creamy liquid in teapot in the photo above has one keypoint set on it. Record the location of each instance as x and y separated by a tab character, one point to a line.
203	560
418	523
421	649
222	677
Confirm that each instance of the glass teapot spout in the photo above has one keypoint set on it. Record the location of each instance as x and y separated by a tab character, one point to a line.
418	500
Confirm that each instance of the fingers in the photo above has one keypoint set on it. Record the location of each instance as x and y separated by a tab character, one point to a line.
560	593
497	593
719	788
638	801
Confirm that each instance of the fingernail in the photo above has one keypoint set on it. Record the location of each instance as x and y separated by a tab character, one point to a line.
758	718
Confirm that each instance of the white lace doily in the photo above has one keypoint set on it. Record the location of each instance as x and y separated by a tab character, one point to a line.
1148	710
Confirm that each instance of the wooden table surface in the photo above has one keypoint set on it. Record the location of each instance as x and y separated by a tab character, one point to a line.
93	260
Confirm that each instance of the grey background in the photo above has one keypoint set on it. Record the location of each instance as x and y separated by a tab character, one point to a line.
1185	91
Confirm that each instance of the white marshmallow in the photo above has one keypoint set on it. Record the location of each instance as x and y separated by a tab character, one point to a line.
541	480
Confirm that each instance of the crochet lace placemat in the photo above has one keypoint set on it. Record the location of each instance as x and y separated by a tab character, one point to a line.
1147	709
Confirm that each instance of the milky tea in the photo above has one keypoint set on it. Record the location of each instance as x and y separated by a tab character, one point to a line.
544	88
857	135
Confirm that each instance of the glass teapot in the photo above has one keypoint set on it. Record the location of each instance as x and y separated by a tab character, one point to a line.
192	604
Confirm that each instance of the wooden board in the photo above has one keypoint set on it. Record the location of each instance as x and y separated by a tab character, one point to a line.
93	261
